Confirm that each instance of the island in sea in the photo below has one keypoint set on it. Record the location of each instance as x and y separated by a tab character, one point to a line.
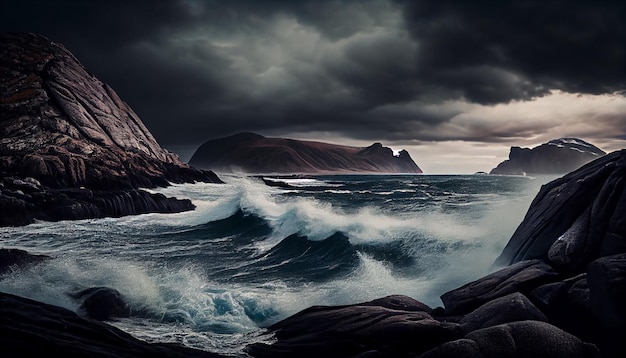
253	153
558	156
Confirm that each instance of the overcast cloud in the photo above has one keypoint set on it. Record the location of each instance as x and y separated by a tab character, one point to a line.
411	73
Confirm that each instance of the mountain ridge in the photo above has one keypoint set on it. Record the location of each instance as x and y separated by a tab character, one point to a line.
253	153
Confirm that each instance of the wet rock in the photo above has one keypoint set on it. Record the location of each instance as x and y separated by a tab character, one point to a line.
34	329
521	277
575	219
362	329
12	259
101	303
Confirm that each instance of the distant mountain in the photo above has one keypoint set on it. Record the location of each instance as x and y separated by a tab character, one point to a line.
253	153
558	156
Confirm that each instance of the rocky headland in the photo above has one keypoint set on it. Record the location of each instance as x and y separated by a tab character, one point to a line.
70	148
253	153
558	156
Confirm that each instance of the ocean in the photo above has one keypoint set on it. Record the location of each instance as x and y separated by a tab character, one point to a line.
252	254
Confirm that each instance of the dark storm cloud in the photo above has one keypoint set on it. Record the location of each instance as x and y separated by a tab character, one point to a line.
376	69
575	46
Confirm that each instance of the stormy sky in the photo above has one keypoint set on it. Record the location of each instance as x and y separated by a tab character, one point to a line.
454	82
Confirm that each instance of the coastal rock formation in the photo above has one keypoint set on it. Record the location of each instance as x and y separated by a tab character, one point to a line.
101	303
575	219
561	295
60	127
14	259
558	156
253	153
32	329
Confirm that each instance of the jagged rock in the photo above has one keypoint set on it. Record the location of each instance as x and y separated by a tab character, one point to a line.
558	156
33	329
81	203
101	303
521	277
60	127
17	259
523	339
575	219
253	153
369	329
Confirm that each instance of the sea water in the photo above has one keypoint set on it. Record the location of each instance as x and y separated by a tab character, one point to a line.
256	251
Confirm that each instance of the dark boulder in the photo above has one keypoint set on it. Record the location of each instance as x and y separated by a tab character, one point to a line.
607	300
566	305
575	219
523	339
368	329
521	277
101	303
11	259
509	308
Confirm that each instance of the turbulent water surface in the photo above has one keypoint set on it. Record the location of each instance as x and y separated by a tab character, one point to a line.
253	253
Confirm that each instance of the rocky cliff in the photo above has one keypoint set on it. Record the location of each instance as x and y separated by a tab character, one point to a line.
61	127
253	153
558	156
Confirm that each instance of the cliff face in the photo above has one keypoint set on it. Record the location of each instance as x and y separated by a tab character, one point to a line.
60	128
253	153
558	156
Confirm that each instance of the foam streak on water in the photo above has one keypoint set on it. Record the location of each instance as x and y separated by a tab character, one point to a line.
252	254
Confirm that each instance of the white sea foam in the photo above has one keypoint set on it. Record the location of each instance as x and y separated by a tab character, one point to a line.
452	247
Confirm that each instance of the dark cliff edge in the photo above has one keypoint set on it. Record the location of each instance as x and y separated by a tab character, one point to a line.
558	156
253	153
61	128
558	290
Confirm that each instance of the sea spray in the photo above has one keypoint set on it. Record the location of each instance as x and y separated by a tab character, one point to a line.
252	254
